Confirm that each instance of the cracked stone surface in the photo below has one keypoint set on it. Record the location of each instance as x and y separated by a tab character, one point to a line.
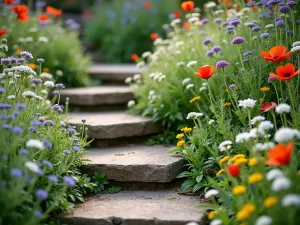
110	125
135	163
90	96
137	208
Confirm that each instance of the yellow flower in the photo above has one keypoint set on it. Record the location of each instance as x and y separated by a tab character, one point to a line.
212	214
238	190
226	89
270	201
32	66
223	160
226	104
180	143
255	178
242	215
252	162
186	130
265	89
195	99
220	172
249	207
18	51
46	70
241	161
236	157
195	127
180	136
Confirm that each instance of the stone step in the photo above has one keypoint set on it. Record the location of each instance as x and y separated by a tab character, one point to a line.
134	163
111	125
98	96
137	208
113	73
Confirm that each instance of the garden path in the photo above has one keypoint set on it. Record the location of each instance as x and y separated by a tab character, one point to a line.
146	174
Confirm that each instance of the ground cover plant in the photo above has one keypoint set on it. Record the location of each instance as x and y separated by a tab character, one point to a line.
47	36
39	153
231	75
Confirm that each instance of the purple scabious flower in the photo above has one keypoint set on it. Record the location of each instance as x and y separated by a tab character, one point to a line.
265	35
6	126
230	27
271	79
229	31
26	54
250	24
5	61
53	178
38	213
280	23
16	173
204	21
66	152
251	4
69	181
72	131
40	60
41	194
56	107
55	92
21	106
225	24
218	20
207	41
261	16
235	22
47	143
256	28
216	49
35	123
284	9
47	163
16	113
36	80
17	130
32	129
2	90
245	60
59	86
75	140
209	53
76	148
5	106
20	61
291	3
13	60
222	64
273	2
23	151
260	4
238	40
48	123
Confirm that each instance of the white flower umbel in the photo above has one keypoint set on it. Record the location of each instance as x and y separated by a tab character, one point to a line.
291	200
32	166
297	43
295	49
131	103
49	84
242	137
191	64
186	80
137	77
286	134
210	5
283	108
146	54
33	143
43	39
274	173
215	222
193	19
211	193
281	183
263	147
264	126
218	12
128	80
23	70
179	64
247	103
194	115
140	64
225	145
174	22
269	26
29	94
11	97
257	119
210	122
189	86
263	220
203	89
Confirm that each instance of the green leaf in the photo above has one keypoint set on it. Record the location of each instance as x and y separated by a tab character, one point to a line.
183	174
207	206
199	178
187	184
197	187
175	149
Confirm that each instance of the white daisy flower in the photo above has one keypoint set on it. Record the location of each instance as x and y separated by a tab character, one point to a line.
274	173
291	200
247	103
33	143
263	220
283	108
286	134
211	193
225	145
281	183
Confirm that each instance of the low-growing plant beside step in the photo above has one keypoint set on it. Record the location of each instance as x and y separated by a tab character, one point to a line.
231	75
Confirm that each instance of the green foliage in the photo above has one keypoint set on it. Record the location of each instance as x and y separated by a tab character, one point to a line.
101	181
114	190
165	138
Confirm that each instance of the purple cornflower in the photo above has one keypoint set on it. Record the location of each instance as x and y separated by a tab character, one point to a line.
17	173
265	35
21	106
75	26
284	9
280	23
207	41
209	53
69	181
76	148
56	107
222	64
218	20
41	194
33	86
20	60
26	54
59	86
261	16
53	178
251	4
271	79
273	2
204	21
48	123
35	123
29	180
23	151
2	90
229	31
66	152
32	129
250	24
47	163
291	3
72	131
232	85
245	60
40	60
16	113
217	49
17	130
47	143
238	40
235	22
13	60
225	24
5	61
256	28
75	140
38	213
230	27
6	126
36	80
55	92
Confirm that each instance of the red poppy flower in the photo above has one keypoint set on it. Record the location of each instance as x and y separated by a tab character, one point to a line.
2	32
276	54
147	5
154	36
44	18
188	6
186	25
266	107
178	14
205	72
286	72
234	170
9	2
134	57
53	11
280	155
86	13
21	11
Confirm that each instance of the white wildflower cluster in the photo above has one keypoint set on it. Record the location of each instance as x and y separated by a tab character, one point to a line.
257	120
194	115
11	97
291	200
186	80
22	70
286	134
189	86
29	94
210	5
211	193
263	146
247	136
151	96
128	80
283	108
210	122
225	145
218	12
131	103
193	19
216	222
146	54
34	143
43	39
49	84
191	64
32	166
265	126
140	64
264	220
46	76
281	183
157	76
174	22
179	64
137	78
247	103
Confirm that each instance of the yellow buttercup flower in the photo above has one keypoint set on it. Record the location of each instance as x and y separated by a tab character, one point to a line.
270	201
197	98
249	207
238	190
212	214
220	172
180	136
252	162
46	70
186	130
236	157
18	51
226	104
180	143
223	160
32	66
242	215
255	178
241	161
265	89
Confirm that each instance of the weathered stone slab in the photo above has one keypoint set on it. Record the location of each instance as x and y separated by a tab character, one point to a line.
137	208
102	95
135	163
110	125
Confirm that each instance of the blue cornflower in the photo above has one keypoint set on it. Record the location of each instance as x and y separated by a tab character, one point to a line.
20	61
38	213
40	60
222	64
41	194
291	3
76	148
26	54
265	35
16	112
218	20
2	90
280	23
47	163
75	140
69	181
249	24
47	143
55	92
53	178
251	4
32	129
35	123
17	130
6	126
273	2
56	107
209	53
5	61
207	41
232	86
17	173
10	117
36	80
256	28
284	9
230	27
225	24
59	86
271	79
235	22
48	123
66	152
238	40
217	49
204	21
5	106
23	151
245	60
21	106
72	131
37	114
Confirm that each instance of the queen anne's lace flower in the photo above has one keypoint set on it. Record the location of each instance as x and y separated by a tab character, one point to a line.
191	64
194	115
283	108
247	103
33	143
264	220
281	183
291	200
225	145
286	134
274	173
264	146
257	119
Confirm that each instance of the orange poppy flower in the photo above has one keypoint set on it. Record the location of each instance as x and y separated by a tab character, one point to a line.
44	18
134	57
154	36
286	72
186	25
188	6
276	54
86	13
234	170
147	5
205	72
9	2
266	107
21	11
2	32
178	14
228	3
53	11
280	155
